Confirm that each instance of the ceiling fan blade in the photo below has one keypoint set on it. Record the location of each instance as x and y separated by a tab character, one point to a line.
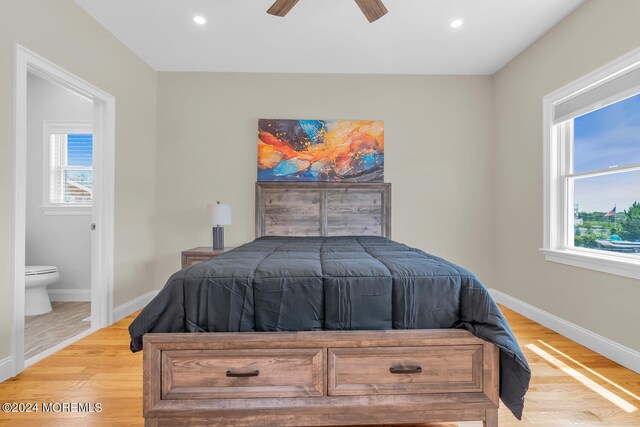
281	7
372	9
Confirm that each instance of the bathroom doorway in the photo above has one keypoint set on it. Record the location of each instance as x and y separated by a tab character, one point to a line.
63	209
59	198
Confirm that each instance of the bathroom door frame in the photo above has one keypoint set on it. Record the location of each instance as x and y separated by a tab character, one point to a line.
102	242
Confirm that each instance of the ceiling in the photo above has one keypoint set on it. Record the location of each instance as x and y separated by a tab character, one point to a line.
329	36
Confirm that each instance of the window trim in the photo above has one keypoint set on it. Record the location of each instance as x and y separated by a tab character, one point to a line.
557	215
54	126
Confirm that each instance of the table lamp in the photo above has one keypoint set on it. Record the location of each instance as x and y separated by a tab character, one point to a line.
219	215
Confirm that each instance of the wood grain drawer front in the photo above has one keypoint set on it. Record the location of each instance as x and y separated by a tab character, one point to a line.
212	374
433	369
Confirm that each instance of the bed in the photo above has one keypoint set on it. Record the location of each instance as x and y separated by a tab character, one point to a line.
324	320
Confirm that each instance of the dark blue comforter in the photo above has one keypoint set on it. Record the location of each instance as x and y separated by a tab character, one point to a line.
333	283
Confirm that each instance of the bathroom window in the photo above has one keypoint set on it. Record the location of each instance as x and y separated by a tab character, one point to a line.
68	174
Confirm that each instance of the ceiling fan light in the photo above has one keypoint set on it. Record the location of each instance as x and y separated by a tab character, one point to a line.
456	23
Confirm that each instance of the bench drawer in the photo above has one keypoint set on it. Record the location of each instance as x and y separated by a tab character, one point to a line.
405	370
211	374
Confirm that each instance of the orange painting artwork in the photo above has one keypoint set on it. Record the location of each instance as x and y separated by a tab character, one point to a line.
320	150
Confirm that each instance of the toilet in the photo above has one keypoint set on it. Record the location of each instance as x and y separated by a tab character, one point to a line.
37	278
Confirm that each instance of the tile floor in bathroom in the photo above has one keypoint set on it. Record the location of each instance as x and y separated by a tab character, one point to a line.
66	320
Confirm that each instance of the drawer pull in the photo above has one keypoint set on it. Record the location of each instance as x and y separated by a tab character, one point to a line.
243	374
409	370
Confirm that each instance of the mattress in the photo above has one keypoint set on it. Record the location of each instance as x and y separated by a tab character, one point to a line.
334	283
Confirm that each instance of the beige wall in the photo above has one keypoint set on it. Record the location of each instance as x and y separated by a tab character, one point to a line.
437	154
595	34
63	33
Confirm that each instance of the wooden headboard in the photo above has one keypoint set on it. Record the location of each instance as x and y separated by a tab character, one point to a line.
323	209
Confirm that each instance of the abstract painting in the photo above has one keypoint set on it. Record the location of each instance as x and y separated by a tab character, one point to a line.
320	150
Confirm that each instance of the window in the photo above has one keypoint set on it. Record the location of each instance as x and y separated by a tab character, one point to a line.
604	178
68	175
592	171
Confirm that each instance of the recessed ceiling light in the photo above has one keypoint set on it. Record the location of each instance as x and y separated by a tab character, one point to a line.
200	20
456	23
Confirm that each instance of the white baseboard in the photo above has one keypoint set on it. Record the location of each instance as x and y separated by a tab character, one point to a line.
625	356
6	369
132	306
69	294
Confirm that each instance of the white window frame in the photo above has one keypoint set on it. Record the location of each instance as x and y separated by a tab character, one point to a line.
558	174
53	127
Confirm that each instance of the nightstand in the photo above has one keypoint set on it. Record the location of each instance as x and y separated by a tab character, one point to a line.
197	255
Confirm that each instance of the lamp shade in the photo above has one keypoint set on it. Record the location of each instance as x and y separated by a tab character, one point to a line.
219	214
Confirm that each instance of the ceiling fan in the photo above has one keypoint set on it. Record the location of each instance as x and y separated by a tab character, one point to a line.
372	9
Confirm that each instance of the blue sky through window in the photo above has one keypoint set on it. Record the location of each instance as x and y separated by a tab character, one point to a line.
80	153
79	149
606	138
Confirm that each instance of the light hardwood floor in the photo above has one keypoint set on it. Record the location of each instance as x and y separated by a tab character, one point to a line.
46	330
571	385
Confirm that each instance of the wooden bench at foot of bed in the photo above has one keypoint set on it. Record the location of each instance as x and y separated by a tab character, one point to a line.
319	378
